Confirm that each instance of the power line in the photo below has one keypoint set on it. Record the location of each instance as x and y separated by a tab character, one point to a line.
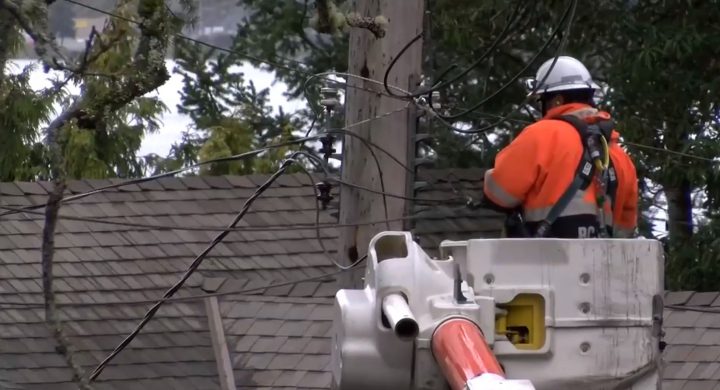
323	76
512	19
467	111
633	144
193	267
190	39
222	49
264	228
569	12
673	152
236	157
568	15
25	305
141	180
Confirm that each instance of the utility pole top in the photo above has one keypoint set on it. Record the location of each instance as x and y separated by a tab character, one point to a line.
369	57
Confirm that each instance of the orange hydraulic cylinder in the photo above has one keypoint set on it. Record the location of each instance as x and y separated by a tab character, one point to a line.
462	352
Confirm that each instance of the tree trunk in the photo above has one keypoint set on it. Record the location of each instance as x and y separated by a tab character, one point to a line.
680	221
7	30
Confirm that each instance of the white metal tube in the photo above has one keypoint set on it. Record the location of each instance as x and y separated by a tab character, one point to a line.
399	316
497	382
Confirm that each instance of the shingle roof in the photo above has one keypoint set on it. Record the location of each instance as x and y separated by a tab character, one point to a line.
273	342
692	331
277	337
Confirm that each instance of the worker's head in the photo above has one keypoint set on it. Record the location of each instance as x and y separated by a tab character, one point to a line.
567	81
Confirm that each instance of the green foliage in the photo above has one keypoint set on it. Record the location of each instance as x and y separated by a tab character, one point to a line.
21	151
103	140
665	96
230	116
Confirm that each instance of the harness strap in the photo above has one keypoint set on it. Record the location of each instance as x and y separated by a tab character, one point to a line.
584	172
582	180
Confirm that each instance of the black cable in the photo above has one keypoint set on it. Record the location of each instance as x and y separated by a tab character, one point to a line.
569	15
192	268
381	175
187	38
219	48
312	124
25	305
264	228
217	160
693	308
419	200
374	145
563	40
317	219
167	174
512	19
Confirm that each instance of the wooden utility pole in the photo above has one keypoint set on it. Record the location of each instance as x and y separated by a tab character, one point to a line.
370	56
217	335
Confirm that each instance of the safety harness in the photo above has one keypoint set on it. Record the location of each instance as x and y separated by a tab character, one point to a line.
594	164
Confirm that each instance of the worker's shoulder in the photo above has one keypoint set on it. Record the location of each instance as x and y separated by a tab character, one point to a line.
621	159
546	127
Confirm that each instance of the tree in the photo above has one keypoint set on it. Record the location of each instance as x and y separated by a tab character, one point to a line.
664	95
97	133
229	117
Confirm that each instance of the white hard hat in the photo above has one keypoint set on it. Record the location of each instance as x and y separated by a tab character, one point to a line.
567	74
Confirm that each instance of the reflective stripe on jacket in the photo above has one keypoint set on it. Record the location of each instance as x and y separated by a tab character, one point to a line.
539	165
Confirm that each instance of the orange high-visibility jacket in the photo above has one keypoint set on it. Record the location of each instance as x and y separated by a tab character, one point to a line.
540	164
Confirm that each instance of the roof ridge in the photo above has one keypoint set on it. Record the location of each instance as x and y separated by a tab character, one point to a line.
185	183
201	182
692	298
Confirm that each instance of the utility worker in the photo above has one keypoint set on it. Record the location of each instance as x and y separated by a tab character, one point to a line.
565	176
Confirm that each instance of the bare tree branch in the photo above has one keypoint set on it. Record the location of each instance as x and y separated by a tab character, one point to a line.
32	16
146	72
376	25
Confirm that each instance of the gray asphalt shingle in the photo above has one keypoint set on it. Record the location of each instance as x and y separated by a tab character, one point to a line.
277	337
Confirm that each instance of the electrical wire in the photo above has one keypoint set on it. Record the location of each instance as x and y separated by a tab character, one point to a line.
264	228
192	268
673	152
189	298
190	39
512	19
220	48
418	200
324	77
141	180
369	147
568	15
25	305
222	159
317	220
374	145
